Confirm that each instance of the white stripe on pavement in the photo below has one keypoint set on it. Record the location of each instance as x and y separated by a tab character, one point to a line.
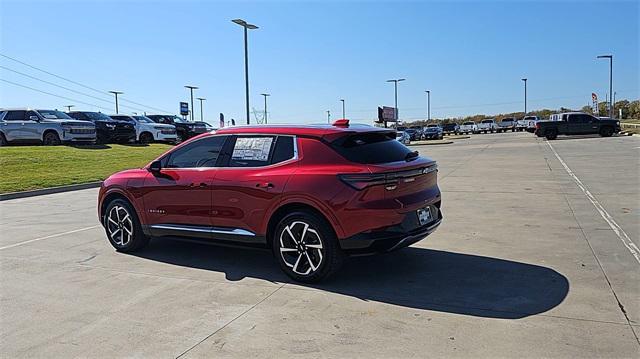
47	237
622	235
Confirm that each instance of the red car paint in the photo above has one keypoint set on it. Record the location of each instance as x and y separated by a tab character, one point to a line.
247	198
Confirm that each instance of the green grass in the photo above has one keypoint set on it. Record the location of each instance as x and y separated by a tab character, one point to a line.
32	167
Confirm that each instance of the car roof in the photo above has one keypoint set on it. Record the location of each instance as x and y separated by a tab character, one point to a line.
16	109
301	130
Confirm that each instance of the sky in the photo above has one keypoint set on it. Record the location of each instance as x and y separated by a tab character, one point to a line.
309	55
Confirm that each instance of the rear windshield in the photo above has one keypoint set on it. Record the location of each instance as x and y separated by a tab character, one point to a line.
487	121
371	148
468	123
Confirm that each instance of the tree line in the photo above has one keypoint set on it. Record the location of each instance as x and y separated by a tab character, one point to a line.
630	110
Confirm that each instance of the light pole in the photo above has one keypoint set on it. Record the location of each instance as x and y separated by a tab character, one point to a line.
614	104
525	96
69	107
428	105
201	112
395	111
265	106
610	57
328	117
116	93
246	27
343	113
191	88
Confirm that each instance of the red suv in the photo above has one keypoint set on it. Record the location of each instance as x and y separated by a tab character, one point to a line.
313	194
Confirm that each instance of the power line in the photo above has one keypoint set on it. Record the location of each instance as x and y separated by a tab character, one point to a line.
51	94
79	84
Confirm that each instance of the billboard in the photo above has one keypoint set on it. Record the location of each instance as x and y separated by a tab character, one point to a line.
184	108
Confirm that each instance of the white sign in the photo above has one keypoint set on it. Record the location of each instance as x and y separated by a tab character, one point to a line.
252	149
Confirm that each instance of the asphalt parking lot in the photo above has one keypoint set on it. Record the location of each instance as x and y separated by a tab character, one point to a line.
535	258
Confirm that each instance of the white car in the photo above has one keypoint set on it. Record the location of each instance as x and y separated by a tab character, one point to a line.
403	137
488	126
469	127
530	123
148	131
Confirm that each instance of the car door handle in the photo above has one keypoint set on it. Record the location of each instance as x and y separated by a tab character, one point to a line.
265	185
201	185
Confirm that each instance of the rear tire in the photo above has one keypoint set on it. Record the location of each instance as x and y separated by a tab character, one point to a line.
551	134
3	140
146	138
606	132
123	227
306	247
51	138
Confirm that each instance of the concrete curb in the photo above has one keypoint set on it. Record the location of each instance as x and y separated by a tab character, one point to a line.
456	137
430	143
50	190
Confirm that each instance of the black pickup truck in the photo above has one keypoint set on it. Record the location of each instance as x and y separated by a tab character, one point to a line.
185	129
576	123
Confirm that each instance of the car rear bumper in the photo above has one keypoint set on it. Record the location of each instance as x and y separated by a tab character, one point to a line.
391	238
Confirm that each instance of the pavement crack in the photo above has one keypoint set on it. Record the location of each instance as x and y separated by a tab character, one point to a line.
229	322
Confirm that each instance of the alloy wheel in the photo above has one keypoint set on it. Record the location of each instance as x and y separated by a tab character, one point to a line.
120	226
301	248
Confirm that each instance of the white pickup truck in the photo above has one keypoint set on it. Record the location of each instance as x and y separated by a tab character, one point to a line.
530	123
468	127
488	126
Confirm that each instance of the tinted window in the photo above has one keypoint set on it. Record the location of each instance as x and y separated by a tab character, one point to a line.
97	116
468	123
122	118
201	153
487	121
15	116
283	150
54	115
579	118
371	148
251	151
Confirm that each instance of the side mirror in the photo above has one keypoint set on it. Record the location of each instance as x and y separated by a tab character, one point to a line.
34	118
155	166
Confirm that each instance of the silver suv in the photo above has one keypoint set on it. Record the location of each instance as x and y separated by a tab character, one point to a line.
49	127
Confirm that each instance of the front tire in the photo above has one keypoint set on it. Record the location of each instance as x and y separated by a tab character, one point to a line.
3	140
123	227
146	138
606	132
306	247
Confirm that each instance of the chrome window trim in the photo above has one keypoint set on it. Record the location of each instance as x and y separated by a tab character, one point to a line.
293	159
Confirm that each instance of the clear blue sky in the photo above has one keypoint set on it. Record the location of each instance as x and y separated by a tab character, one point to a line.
471	55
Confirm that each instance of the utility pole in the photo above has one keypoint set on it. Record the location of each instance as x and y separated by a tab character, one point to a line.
116	93
343	113
191	88
428	105
525	96
201	112
610	57
395	111
246	27
265	106
69	107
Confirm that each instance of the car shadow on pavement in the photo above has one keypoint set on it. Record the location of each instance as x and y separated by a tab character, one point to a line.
412	277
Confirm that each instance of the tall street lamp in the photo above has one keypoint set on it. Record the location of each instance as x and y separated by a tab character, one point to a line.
69	107
265	106
395	111
525	96
201	112
191	88
610	57
428	105
343	112
246	27
328	117
116	93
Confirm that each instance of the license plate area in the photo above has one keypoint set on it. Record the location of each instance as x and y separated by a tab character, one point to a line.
424	216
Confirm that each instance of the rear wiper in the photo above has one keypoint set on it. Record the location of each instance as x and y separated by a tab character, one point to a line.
411	156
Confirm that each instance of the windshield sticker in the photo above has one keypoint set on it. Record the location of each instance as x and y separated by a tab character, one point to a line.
252	149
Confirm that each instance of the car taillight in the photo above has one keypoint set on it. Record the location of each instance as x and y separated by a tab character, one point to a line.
362	181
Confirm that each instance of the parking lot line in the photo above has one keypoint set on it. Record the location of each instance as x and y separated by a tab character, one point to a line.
622	235
47	237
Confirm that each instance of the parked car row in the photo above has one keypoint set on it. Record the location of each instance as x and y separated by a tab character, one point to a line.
53	127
